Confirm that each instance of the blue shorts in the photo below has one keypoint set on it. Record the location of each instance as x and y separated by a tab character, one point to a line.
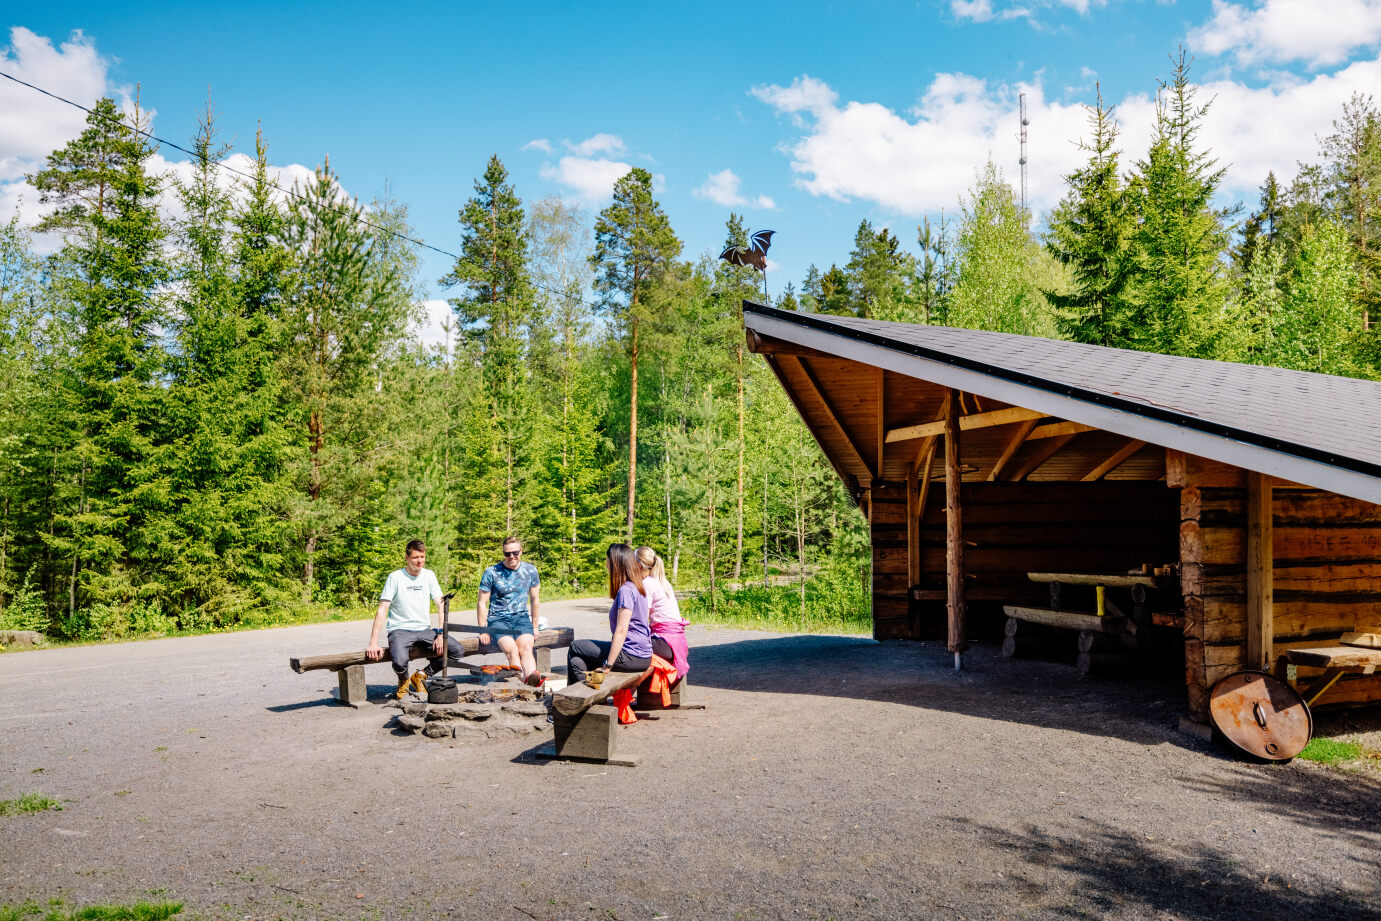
514	623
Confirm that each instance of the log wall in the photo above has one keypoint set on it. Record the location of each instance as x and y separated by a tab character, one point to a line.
1327	574
1011	529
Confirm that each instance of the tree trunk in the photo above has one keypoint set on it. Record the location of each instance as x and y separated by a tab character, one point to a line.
738	547
801	543
633	424
309	569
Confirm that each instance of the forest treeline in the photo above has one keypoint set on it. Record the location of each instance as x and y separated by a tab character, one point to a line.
215	413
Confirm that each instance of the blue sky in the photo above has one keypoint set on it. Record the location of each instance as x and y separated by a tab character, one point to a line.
805	117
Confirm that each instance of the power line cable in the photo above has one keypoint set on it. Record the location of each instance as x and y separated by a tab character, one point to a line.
293	193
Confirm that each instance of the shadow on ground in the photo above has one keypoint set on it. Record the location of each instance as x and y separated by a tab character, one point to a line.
1136	705
1118	874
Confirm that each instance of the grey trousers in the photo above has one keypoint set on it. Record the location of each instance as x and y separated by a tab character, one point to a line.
402	642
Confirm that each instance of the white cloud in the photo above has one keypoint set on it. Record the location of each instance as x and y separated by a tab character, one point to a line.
722	188
541	144
985	11
599	144
917	162
430	329
1278	31
32	125
590	179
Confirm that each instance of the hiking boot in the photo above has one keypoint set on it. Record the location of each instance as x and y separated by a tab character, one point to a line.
418	682
404	683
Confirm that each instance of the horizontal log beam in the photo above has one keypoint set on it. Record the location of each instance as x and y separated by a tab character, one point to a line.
556	638
966	423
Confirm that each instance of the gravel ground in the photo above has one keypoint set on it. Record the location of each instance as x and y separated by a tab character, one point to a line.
830	777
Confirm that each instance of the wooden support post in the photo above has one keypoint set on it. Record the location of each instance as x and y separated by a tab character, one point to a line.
913	530
882	418
954	533
350	685
1260	572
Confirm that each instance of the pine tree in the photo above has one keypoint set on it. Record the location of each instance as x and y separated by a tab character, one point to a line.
1089	233
934	272
634	247
495	312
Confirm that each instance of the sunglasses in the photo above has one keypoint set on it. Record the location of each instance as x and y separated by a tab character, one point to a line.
513	553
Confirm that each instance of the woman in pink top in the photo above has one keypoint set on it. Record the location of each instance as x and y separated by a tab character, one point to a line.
664	615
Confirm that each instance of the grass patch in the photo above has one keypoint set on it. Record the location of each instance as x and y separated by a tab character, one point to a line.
29	802
836	601
139	911
1331	751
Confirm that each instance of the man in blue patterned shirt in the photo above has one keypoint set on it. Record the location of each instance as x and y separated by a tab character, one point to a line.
506	590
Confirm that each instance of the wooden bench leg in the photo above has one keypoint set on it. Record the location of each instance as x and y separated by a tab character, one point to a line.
682	698
543	657
589	736
352	687
1321	684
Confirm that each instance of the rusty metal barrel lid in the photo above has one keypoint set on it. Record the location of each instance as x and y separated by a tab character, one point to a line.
1261	715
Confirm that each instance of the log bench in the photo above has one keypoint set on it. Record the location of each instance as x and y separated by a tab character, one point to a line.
1102	641
1335	661
587	726
349	666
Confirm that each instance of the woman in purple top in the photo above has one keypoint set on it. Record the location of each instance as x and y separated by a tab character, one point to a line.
631	647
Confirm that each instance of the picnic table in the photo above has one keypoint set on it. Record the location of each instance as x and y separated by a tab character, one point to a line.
1336	661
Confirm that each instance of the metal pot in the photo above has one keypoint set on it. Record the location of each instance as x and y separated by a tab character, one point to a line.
442	691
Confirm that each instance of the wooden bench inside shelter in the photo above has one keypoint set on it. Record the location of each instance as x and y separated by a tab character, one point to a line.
1105	635
349	666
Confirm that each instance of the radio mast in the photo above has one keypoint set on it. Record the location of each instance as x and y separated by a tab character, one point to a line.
1024	122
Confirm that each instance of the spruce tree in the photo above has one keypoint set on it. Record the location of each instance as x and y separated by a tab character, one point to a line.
876	268
1179	288
345	308
1089	234
112	273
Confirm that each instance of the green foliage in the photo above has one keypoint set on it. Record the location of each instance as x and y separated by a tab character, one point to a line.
836	600
1179	286
1090	235
29	802
25	610
1001	270
221	421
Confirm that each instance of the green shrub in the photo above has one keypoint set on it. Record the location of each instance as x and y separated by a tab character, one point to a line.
25	610
836	601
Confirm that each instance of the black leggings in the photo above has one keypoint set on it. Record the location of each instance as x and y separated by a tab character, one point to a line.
588	655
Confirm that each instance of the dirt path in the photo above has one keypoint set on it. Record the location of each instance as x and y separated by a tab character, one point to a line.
831	777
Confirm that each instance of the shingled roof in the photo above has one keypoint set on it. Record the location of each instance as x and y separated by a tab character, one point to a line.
1315	429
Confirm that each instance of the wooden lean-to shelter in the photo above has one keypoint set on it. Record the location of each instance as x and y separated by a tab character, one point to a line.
980	458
